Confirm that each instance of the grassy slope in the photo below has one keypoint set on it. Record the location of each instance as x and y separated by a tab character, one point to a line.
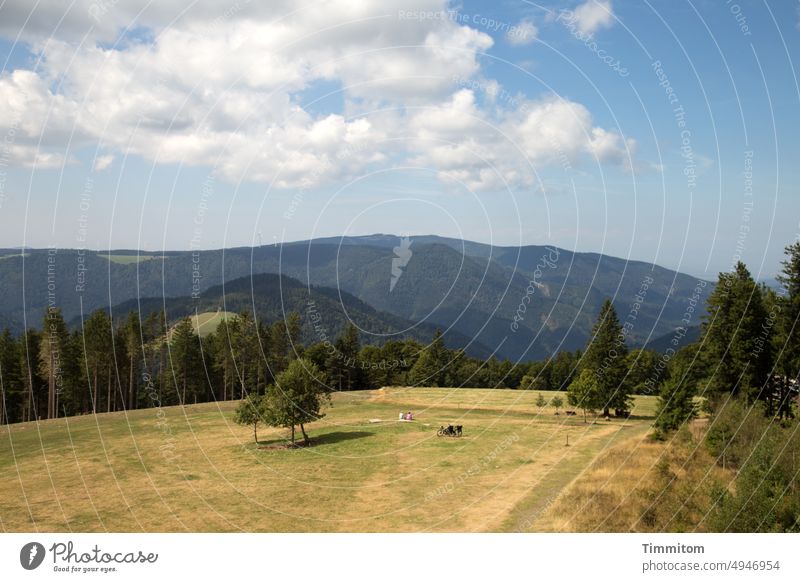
641	486
108	472
207	322
128	259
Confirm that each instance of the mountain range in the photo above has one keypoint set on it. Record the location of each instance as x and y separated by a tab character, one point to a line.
520	303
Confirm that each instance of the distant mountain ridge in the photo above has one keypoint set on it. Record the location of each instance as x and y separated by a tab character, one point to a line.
324	311
522	302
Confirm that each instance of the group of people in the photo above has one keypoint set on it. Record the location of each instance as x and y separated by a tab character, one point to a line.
406	416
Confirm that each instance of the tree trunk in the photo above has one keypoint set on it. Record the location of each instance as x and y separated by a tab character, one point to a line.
292	434
51	385
29	404
255	432
84	399
94	393
108	390
305	436
131	396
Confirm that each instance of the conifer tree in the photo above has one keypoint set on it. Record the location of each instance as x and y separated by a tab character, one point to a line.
733	341
51	356
431	367
676	405
786	310
606	357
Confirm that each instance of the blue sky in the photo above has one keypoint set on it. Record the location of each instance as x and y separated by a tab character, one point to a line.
498	122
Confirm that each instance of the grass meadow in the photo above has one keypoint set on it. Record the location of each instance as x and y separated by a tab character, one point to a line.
192	469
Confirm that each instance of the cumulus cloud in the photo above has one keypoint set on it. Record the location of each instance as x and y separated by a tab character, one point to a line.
593	15
103	162
507	150
523	33
225	89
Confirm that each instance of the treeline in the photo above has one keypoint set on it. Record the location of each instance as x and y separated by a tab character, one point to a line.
109	365
123	364
745	370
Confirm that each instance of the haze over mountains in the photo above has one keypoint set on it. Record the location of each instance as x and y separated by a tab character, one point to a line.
519	302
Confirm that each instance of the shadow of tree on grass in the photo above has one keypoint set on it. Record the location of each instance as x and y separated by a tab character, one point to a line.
328	438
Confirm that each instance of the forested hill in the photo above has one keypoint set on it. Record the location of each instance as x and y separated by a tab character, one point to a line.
476	290
324	311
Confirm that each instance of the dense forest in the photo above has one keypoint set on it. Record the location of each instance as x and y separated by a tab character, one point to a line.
107	364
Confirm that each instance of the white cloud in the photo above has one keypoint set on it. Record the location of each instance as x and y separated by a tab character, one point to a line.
593	15
485	152
103	162
228	93
523	33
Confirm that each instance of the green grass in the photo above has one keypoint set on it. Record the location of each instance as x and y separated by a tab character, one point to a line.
207	322
128	259
192	469
11	256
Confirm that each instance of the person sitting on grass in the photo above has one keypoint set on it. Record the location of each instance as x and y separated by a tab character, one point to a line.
402	416
409	416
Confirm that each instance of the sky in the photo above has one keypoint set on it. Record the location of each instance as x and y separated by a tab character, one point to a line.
660	131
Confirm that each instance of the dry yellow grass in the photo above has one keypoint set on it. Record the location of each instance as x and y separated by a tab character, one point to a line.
192	469
643	485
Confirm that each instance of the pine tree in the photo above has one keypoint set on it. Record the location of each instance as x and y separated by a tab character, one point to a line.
132	336
606	357
278	347
224	360
97	338
344	361
676	404
51	356
786	308
12	387
733	336
293	335
643	376
430	368
74	377
247	353
186	362
29	366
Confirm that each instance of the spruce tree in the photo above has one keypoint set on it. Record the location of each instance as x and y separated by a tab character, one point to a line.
786	310
606	357
676	405
430	369
97	338
12	387
734	337
186	362
52	351
132	335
